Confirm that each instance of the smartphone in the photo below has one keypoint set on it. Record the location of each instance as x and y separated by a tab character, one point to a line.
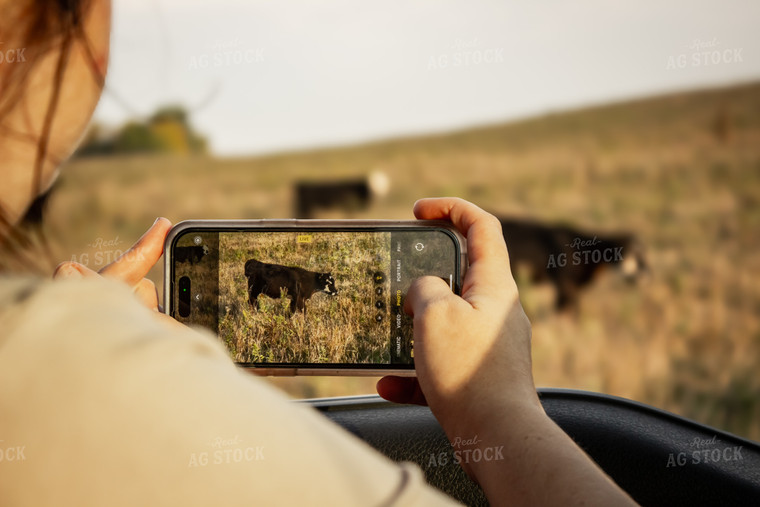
308	297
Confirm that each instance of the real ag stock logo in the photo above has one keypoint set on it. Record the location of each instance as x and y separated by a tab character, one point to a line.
11	453
225	451
106	251
704	53
12	55
465	53
705	451
585	251
467	451
226	53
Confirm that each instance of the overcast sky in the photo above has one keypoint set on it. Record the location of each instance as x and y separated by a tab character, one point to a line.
270	75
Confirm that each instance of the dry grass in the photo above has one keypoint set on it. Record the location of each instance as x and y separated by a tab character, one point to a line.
687	339
338	329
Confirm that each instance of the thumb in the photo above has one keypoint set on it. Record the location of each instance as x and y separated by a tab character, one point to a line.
70	269
134	264
401	390
424	292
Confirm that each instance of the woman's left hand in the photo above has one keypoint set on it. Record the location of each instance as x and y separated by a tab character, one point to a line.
131	267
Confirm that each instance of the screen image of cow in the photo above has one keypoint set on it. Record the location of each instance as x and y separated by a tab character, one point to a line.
275	280
287	297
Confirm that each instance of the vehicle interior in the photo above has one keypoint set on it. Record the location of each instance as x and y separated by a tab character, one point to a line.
619	145
657	457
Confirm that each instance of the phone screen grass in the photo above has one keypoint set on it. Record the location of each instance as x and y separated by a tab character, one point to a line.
330	274
310	297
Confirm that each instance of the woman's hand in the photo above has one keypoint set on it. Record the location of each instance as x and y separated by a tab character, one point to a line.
473	350
472	357
131	267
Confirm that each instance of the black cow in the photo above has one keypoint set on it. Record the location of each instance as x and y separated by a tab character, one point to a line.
345	195
190	254
568	258
300	284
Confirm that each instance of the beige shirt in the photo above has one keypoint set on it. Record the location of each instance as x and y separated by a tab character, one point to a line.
101	403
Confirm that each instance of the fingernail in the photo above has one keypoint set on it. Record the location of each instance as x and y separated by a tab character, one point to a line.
69	271
157	219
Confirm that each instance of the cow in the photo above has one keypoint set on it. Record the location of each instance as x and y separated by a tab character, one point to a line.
190	254
569	258
344	195
298	283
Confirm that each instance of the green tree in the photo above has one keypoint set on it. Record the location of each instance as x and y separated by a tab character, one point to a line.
168	130
137	138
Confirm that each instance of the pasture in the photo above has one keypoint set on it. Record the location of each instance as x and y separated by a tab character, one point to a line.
681	171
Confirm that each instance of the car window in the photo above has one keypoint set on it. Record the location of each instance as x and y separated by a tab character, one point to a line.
618	142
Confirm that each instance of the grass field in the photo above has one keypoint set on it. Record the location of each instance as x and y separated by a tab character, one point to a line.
682	172
336	329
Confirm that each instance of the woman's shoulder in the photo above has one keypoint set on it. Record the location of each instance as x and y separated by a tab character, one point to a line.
23	289
34	301
15	289
95	317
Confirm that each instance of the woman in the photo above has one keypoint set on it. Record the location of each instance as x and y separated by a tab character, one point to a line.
106	401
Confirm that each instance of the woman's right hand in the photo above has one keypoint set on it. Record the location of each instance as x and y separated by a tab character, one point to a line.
472	353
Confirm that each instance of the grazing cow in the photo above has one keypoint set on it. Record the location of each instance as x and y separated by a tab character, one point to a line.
345	195
190	254
299	284
568	258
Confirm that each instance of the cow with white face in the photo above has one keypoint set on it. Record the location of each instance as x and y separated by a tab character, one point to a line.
342	195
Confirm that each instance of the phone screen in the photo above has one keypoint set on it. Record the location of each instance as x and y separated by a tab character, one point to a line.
308	297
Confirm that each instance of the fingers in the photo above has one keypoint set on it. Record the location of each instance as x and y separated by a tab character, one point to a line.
135	263
66	270
145	289
401	390
485	240
146	292
488	273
